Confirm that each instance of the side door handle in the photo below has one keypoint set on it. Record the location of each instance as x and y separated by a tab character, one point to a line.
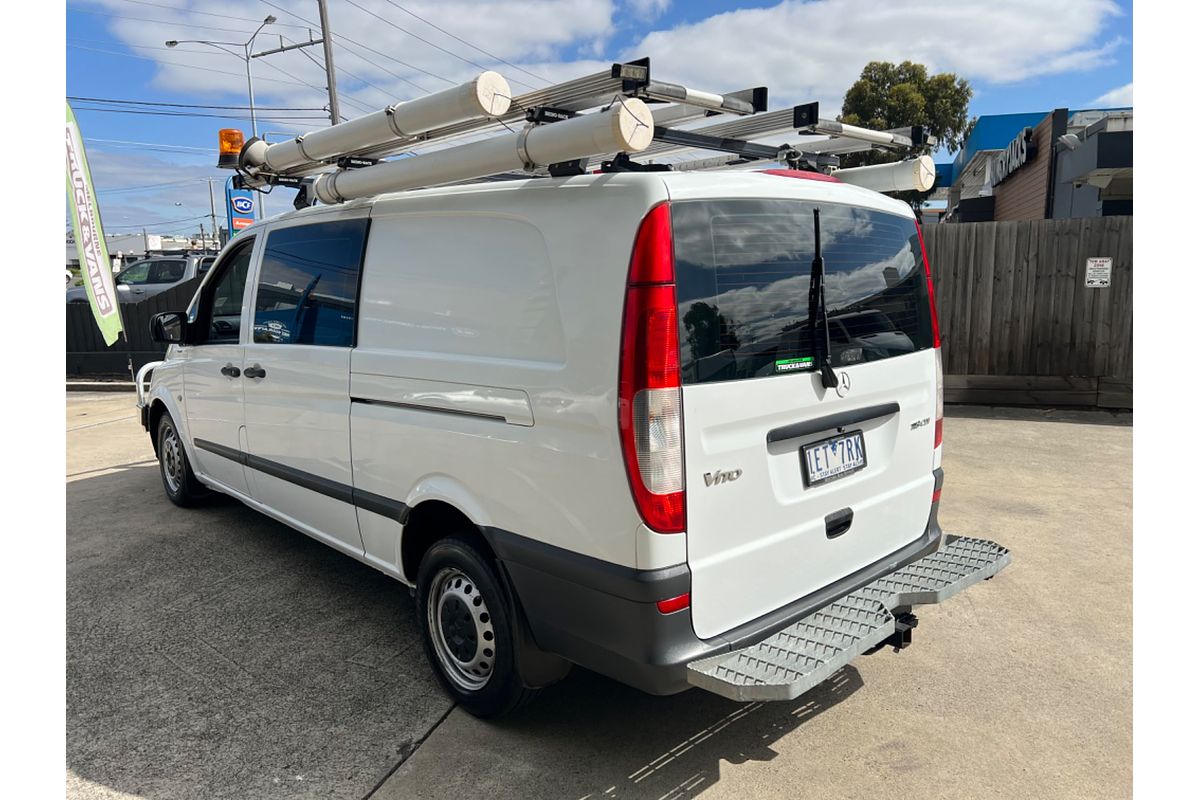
255	372
230	371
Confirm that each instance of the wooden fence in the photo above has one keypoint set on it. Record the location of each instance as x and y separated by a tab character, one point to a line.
1018	323
87	355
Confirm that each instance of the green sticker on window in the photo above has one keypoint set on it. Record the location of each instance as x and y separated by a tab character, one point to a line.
795	364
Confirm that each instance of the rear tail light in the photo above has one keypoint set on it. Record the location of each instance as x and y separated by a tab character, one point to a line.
933	318
939	404
937	344
650	403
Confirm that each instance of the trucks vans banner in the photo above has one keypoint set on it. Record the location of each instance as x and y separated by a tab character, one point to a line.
89	236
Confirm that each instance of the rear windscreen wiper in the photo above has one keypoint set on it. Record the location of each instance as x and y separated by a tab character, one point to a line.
818	311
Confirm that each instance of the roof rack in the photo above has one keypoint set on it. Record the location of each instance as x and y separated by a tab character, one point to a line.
602	118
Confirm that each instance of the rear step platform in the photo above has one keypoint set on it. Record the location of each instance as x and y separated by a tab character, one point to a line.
789	663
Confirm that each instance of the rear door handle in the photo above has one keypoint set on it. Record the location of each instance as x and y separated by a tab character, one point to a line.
255	372
230	371
838	523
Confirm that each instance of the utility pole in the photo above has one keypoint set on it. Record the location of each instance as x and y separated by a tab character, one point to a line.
327	40
212	205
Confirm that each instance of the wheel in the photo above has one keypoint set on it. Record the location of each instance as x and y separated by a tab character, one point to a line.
178	479
469	629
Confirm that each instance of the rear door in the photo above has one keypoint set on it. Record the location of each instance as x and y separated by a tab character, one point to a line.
297	376
790	485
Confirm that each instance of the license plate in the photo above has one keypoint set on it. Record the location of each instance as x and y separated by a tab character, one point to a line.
833	458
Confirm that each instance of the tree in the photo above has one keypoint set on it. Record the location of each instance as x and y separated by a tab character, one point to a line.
890	95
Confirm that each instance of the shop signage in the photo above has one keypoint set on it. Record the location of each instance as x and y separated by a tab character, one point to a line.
1011	158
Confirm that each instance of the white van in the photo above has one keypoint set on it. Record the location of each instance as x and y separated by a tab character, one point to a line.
586	419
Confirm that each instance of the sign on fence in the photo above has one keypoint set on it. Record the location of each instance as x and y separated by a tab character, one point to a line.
1099	273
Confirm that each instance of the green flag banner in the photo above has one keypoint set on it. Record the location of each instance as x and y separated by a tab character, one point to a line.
89	236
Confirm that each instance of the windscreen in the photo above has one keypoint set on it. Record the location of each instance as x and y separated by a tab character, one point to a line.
743	270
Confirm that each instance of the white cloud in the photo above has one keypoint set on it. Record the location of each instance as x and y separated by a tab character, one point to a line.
1118	97
648	9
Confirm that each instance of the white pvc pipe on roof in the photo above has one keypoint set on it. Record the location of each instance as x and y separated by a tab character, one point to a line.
488	95
627	127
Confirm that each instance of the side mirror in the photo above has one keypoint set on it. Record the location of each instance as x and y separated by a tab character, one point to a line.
168	326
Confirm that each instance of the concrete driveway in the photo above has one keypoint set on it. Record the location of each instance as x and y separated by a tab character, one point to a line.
215	653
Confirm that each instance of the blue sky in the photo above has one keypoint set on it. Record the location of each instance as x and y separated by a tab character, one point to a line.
1017	56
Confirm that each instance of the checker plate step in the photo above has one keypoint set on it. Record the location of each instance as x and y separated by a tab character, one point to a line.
787	664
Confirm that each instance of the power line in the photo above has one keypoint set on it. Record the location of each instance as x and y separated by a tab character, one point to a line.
191	114
208	13
159	21
159	224
337	43
341	37
464	41
185	66
189	105
426	41
159	145
149	186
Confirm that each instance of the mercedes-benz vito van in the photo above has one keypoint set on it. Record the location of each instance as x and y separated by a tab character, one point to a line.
677	428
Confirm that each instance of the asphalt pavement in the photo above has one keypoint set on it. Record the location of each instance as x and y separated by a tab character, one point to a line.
214	653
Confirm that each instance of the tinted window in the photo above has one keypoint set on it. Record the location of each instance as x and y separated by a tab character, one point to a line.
135	274
205	263
224	315
167	271
308	284
743	269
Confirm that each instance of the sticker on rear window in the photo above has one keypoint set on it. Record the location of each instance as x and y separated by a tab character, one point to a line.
794	364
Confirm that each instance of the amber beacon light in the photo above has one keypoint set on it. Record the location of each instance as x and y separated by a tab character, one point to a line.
230	141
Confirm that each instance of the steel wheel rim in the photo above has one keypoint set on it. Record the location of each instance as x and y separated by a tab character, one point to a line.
172	460
460	626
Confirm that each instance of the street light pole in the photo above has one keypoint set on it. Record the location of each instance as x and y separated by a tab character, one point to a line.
245	56
212	205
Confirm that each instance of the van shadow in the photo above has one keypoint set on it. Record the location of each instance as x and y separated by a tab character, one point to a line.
598	738
215	653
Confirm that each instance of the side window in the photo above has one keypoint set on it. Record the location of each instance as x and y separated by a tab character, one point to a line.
135	274
166	271
308	284
220	314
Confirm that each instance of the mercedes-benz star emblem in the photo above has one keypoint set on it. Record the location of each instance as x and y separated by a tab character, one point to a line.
843	387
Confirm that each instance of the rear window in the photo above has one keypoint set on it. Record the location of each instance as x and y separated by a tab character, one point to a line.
742	272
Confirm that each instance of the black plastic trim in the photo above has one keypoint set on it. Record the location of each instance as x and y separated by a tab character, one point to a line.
368	501
603	616
839	420
628	583
458	412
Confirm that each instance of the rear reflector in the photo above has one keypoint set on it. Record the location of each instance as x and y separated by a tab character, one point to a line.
674	604
937	495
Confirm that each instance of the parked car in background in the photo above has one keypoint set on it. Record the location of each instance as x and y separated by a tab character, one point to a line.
149	276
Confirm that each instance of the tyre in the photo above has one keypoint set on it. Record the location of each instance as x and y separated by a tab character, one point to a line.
178	480
469	629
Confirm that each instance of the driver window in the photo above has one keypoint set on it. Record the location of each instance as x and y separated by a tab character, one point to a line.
225	312
134	274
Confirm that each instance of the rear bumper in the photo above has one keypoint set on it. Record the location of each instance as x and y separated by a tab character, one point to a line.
603	616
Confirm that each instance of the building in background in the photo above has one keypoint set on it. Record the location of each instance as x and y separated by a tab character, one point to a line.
1053	165
129	246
